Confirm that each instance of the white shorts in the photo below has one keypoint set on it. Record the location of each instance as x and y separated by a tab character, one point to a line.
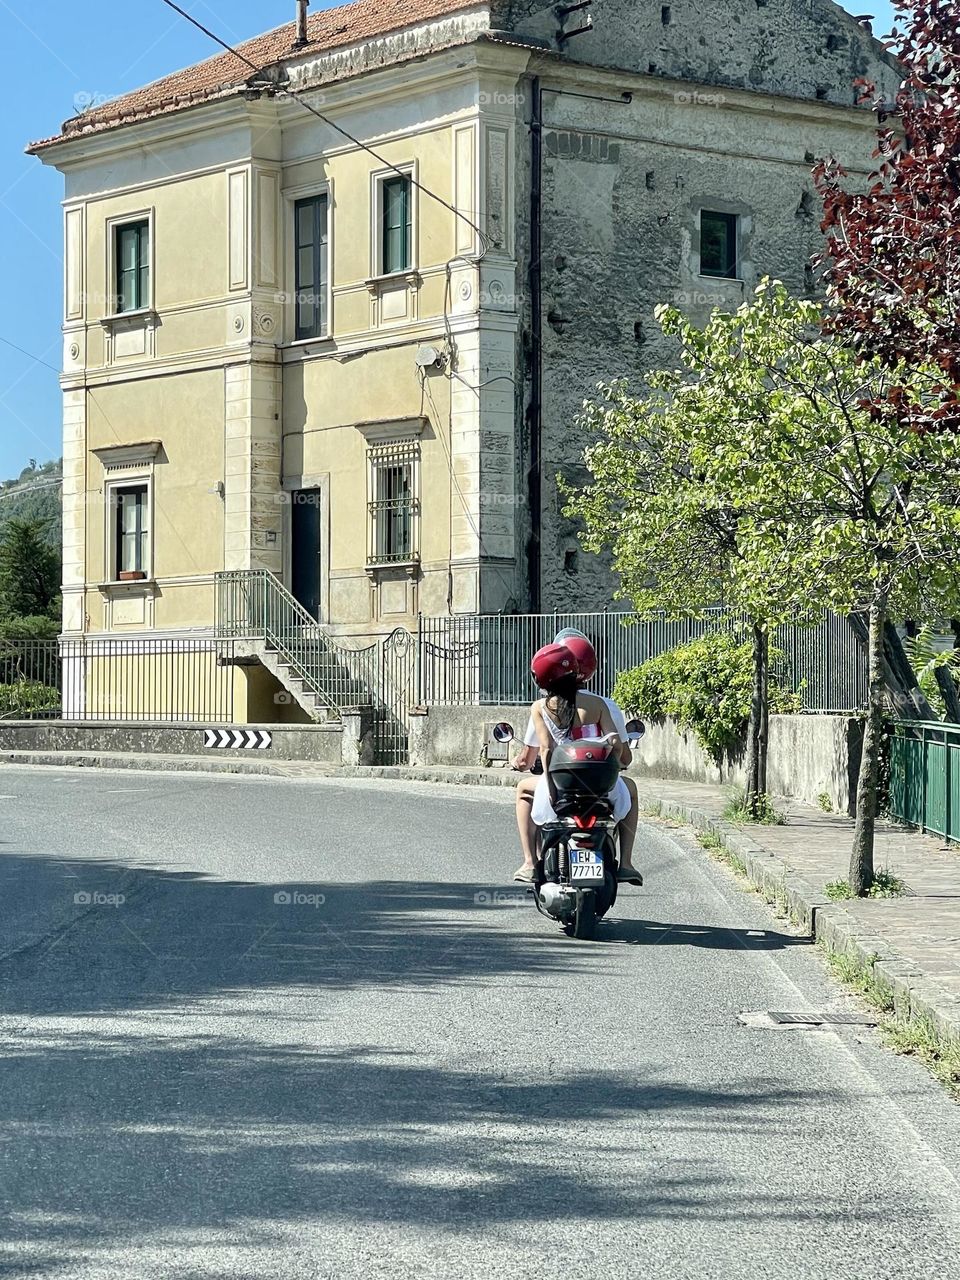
543	810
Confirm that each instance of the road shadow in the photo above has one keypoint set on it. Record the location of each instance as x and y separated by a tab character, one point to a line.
95	936
659	933
136	1137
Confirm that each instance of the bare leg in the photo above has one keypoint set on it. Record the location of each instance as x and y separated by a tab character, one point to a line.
525	824
628	827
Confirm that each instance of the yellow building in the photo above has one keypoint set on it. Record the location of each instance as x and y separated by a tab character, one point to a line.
331	304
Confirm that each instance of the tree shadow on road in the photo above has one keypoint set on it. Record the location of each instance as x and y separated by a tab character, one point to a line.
137	1140
96	936
133	1133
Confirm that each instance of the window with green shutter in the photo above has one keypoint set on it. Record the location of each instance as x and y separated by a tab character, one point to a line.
312	235
132	247
396	231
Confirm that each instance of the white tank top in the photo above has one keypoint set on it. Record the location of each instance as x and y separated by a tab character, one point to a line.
576	734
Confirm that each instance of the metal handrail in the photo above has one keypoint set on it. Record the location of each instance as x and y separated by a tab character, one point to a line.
253	603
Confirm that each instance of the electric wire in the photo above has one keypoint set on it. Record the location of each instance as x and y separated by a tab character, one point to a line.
357	142
29	354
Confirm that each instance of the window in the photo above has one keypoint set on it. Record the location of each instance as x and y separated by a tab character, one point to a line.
396	239
718	244
132	247
394	508
131	545
311	229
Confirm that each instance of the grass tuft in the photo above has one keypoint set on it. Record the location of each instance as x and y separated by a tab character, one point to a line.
824	802
909	1036
885	885
738	811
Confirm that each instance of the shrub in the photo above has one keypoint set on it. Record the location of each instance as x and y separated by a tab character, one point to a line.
706	687
25	698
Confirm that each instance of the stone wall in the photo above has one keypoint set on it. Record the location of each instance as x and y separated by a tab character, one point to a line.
810	756
805	48
322	743
624	184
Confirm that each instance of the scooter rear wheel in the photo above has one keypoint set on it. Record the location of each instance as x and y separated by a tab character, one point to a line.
585	917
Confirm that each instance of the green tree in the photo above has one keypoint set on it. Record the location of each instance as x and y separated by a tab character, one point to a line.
840	500
29	573
674	533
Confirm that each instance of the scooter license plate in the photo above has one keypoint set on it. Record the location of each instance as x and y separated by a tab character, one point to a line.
586	865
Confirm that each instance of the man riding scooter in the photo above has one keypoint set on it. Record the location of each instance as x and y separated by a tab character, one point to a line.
586	657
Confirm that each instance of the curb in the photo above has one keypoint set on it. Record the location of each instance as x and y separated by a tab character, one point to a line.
306	769
916	998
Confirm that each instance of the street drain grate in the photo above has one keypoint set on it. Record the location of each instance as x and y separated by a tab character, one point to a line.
777	1020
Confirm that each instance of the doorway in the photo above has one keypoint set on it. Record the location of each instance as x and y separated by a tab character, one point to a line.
305	549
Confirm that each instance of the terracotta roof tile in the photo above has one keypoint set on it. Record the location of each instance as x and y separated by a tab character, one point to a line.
330	29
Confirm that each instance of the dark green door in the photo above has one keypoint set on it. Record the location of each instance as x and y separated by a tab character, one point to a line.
305	550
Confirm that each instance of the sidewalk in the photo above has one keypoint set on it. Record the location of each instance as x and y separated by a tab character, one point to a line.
909	946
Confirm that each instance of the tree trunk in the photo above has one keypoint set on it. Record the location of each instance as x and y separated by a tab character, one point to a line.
758	727
907	700
861	857
948	691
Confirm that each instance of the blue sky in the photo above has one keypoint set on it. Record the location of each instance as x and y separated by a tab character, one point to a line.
60	53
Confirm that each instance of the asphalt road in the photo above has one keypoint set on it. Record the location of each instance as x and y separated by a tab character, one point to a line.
390	1071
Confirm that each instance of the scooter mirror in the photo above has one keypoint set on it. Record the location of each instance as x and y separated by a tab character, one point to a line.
503	732
635	730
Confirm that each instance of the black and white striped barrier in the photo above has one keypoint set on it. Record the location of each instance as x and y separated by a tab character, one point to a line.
244	739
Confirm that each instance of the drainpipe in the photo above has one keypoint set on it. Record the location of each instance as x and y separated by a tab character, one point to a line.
535	407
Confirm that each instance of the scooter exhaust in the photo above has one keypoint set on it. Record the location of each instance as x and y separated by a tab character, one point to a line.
557	898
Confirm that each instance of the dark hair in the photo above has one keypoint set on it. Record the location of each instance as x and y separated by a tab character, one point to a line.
561	700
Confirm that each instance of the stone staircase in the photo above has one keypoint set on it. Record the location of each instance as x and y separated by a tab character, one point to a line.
269	626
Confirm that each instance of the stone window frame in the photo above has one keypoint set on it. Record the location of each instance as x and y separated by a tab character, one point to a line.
125	467
113	226
378	177
291	197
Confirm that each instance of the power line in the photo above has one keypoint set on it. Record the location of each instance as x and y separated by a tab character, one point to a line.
294	97
28	354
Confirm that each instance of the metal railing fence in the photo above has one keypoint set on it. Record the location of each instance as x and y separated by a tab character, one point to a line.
925	776
29	679
171	680
485	659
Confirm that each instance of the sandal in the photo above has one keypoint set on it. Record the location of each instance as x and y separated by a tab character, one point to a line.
526	875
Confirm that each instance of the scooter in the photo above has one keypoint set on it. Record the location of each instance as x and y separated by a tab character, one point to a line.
575	881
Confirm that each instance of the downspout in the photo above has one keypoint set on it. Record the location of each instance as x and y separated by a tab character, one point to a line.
535	407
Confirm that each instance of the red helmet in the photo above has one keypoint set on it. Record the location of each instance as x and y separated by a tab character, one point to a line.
582	650
551	663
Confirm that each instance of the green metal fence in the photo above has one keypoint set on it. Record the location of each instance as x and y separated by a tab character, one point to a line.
925	776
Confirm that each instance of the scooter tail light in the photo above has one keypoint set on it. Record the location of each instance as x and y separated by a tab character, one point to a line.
585	824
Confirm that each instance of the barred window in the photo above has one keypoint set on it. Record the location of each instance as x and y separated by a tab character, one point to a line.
394	503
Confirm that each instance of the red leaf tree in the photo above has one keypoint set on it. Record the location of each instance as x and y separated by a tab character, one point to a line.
892	261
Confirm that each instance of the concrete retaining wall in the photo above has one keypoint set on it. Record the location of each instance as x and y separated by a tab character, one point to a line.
324	743
810	756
